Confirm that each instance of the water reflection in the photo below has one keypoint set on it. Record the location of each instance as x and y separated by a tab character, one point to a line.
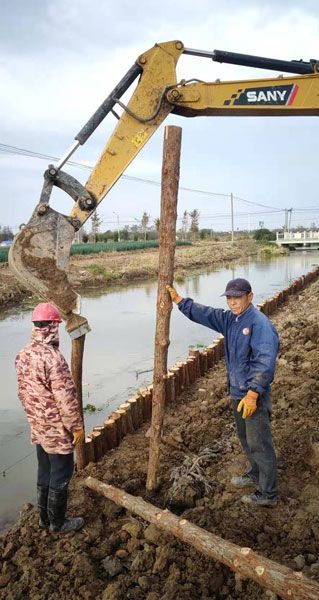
118	353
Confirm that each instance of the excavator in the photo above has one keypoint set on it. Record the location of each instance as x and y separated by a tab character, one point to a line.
39	255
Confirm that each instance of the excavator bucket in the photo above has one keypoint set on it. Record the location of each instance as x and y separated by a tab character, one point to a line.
39	258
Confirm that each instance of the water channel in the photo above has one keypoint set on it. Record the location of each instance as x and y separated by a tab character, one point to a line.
118	355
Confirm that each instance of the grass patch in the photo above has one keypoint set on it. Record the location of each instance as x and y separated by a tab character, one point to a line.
98	270
179	276
91	408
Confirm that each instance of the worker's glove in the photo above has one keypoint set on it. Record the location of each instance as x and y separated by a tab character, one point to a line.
249	403
174	295
78	437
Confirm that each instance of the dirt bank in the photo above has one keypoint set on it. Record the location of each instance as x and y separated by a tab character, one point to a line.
117	556
119	268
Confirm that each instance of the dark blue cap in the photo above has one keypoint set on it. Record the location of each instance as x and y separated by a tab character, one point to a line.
237	287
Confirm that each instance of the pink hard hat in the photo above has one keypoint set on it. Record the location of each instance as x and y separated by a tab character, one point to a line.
46	312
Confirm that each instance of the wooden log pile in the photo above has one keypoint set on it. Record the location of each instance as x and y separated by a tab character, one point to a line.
138	409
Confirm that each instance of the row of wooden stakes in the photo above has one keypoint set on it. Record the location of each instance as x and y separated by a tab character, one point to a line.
138	409
269	306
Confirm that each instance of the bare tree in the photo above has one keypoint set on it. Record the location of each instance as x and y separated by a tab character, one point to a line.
96	223
185	224
194	228
144	223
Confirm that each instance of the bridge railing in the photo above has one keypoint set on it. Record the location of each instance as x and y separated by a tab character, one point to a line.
298	235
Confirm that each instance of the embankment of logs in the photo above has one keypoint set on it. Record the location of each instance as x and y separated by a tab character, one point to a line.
131	415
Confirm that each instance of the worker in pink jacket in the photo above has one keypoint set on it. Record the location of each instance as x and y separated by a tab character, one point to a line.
48	395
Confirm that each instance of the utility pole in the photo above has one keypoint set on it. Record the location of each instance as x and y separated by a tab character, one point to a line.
118	226
289	223
232	217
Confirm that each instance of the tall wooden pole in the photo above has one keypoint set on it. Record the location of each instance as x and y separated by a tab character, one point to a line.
76	370
168	216
288	584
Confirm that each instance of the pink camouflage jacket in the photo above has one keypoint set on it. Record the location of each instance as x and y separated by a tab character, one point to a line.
47	391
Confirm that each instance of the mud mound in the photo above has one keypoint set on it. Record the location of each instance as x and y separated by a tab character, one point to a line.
118	556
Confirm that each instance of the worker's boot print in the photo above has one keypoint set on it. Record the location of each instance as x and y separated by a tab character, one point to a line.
42	498
57	501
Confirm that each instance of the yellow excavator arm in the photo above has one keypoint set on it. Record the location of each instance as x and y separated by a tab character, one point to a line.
40	252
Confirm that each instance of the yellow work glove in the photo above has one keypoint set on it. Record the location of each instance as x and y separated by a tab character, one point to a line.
174	295
78	437
249	403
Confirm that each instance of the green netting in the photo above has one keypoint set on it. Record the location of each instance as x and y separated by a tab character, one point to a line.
4	254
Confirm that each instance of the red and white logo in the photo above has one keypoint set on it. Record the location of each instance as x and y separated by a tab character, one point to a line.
246	331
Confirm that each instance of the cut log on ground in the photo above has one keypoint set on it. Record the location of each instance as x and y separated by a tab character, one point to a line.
284	582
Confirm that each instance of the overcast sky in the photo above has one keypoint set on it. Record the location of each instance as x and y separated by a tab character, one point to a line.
61	58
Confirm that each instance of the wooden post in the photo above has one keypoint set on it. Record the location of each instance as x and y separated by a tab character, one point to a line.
168	216
76	370
284	582
111	433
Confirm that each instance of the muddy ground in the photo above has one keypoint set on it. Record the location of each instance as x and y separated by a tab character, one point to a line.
117	556
119	268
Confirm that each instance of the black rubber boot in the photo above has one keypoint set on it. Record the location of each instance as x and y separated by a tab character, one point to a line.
42	497
57	501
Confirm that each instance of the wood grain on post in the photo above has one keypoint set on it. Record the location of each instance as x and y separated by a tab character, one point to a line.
170	388
195	354
186	375
134	412
167	243
146	396
191	367
89	450
103	440
139	407
181	367
210	356
127	407
117	419
98	444
176	371
123	425
284	582
111	433
203	362
76	370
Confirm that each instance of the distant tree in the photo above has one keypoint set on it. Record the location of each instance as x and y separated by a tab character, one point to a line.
6	233
157	223
96	224
124	234
264	235
202	234
185	224
115	236
144	223
194	227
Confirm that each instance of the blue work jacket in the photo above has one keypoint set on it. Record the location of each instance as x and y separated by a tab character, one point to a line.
251	344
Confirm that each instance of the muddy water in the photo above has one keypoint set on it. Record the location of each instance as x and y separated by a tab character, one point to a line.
118	355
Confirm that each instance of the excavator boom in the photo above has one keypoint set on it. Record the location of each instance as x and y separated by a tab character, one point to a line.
40	253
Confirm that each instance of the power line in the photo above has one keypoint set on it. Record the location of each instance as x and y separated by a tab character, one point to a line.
5	148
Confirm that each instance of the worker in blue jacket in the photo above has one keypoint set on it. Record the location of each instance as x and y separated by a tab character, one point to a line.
251	347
